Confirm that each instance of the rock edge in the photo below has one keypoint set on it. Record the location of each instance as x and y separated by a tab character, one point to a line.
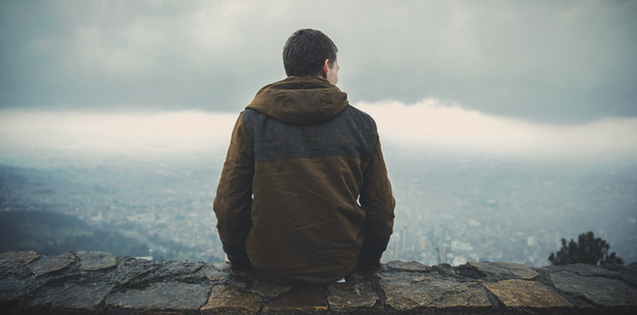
101	283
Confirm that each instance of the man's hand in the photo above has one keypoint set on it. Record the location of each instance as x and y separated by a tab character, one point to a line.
236	255
371	252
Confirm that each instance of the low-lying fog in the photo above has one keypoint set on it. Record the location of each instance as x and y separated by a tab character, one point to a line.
469	186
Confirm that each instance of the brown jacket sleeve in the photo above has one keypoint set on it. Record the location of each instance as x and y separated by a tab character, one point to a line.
378	202
233	201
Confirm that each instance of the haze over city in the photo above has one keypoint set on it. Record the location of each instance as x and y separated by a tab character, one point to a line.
506	126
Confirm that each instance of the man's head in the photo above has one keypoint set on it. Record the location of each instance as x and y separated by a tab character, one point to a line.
308	53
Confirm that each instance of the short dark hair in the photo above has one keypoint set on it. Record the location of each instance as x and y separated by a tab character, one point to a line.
305	52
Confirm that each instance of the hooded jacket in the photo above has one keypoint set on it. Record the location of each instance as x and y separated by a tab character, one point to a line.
304	185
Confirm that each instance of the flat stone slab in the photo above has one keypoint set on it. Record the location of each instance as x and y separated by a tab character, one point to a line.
51	263
225	299
81	298
170	296
16	258
502	270
627	273
601	291
589	270
350	296
133	271
14	264
269	289
301	301
223	267
91	261
406	292
408	266
176	271
526	294
212	273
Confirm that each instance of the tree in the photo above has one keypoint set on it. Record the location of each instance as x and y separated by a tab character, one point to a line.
587	250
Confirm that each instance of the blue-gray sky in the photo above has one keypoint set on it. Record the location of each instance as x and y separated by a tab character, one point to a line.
543	61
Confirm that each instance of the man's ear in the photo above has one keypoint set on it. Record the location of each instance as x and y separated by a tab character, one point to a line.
325	69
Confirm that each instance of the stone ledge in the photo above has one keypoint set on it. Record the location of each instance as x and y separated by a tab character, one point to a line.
101	283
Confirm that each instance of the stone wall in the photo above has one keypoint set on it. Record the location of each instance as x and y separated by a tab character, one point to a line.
101	283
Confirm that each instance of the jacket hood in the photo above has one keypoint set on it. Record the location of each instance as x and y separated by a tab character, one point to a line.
300	100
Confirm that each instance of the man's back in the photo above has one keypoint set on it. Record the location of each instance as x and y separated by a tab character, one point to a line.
300	161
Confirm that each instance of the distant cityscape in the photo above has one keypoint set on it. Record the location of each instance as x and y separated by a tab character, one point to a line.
454	211
448	210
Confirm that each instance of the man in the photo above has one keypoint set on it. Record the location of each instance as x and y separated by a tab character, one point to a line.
300	160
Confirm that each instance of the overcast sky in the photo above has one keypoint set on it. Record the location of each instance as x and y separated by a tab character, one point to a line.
551	62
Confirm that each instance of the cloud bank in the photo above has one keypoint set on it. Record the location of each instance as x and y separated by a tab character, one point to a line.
429	125
434	124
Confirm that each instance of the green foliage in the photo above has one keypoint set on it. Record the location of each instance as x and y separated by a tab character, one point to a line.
587	250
